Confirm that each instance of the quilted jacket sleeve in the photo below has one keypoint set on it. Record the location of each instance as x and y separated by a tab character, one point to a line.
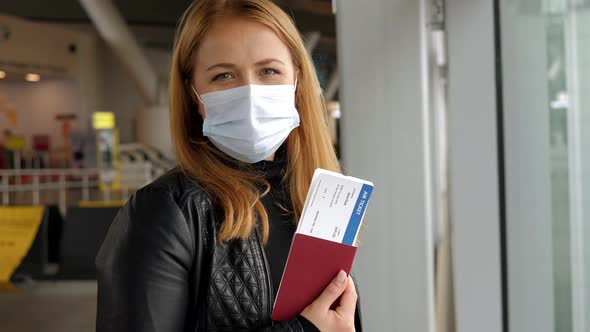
143	267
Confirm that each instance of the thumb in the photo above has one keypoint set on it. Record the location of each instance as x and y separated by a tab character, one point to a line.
332	291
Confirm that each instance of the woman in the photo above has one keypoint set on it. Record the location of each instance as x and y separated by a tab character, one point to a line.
204	246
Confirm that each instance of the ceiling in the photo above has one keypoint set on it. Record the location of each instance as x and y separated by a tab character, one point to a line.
309	15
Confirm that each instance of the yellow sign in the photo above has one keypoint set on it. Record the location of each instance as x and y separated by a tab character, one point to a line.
18	228
103	120
101	204
15	143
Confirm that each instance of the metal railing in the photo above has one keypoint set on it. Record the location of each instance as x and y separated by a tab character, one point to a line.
37	181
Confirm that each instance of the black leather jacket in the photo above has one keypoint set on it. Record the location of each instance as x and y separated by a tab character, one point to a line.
161	269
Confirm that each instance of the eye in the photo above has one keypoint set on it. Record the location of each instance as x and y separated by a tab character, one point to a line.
222	77
270	72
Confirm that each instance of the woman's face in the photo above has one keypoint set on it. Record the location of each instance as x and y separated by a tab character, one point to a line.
236	52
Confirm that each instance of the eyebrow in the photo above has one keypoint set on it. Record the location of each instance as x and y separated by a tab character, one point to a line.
259	63
222	65
267	61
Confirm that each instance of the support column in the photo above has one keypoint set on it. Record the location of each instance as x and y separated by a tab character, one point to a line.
385	121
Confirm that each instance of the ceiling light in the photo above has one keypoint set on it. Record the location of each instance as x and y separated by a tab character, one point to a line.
33	77
2	74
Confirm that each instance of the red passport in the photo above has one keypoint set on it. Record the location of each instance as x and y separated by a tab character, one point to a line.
311	266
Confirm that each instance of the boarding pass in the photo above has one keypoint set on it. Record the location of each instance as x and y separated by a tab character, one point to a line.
335	207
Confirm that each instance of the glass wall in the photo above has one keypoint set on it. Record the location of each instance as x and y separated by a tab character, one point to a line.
545	56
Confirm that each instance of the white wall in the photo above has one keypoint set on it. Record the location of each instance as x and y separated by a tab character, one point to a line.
37	105
68	79
38	43
92	76
384	139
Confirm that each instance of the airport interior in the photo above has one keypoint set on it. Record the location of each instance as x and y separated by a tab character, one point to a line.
471	118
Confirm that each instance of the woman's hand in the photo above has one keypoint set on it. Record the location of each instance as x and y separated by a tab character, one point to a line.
341	319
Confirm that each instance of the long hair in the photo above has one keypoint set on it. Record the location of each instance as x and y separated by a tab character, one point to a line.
232	188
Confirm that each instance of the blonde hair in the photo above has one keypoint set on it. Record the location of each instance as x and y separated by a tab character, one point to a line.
308	146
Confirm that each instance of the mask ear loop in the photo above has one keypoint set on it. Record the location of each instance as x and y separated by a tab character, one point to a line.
196	94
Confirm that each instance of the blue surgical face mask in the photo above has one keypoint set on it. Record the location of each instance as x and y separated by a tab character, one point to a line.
249	123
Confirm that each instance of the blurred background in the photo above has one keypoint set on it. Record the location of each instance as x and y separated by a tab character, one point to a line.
472	118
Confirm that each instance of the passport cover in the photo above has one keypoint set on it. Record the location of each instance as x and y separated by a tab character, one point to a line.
311	266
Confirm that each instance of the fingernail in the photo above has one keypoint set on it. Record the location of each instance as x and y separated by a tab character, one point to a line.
340	277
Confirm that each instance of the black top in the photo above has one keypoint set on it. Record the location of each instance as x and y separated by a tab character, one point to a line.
281	223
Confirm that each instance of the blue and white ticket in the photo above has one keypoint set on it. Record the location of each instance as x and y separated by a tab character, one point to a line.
335	207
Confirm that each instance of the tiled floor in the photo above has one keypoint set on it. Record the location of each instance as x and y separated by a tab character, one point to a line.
64	306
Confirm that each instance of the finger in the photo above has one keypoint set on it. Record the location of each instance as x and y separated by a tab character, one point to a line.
348	301
332	292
